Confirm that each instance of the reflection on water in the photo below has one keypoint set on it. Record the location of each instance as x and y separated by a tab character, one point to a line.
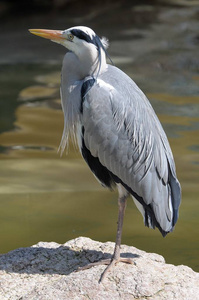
45	197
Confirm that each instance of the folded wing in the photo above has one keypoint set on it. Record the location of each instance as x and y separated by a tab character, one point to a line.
123	135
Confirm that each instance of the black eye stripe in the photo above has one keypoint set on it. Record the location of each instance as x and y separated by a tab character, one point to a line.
82	35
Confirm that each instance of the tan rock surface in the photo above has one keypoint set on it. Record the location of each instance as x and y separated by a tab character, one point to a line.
47	271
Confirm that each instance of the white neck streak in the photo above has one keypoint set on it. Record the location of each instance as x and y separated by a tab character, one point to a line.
76	67
79	64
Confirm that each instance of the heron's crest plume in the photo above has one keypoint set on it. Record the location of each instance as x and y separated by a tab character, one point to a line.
88	35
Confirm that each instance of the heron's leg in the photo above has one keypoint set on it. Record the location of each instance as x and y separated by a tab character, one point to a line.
122	201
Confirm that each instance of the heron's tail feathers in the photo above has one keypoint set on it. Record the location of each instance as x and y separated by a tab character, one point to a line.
162	215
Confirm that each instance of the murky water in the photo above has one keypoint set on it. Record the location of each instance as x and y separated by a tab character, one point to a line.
45	197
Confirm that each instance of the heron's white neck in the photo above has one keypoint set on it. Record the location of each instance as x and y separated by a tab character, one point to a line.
90	60
77	66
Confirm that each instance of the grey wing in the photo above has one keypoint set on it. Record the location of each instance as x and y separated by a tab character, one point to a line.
122	131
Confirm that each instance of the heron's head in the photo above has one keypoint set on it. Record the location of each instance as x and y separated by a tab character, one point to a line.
80	40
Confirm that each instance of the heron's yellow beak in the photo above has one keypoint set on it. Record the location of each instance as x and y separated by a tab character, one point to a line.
54	35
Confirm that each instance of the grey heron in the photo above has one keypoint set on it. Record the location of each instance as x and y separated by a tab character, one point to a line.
117	131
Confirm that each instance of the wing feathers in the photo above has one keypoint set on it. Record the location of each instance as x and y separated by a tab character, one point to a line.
122	130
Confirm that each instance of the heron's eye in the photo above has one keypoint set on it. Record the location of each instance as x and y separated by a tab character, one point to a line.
70	36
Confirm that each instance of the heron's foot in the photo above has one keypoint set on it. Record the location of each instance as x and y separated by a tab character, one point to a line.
97	263
111	262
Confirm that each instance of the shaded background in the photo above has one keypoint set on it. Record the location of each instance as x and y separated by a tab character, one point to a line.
45	197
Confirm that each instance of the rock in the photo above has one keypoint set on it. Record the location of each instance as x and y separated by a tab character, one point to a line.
47	271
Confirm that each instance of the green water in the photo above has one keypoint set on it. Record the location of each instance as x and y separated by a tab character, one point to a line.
45	197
